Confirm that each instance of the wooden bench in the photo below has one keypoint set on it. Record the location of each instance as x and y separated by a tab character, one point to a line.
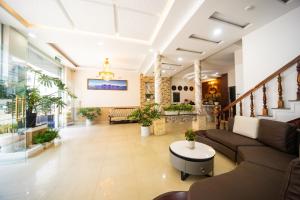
120	115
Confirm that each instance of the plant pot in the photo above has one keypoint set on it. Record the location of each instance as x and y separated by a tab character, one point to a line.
216	103
191	144
145	131
30	119
171	112
88	122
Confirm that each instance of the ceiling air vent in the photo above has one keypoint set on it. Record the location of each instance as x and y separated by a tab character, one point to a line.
190	51
196	37
228	20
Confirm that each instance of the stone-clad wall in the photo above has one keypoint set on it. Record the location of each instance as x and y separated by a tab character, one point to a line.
165	90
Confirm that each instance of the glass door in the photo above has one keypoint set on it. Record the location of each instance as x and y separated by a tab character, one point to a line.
12	112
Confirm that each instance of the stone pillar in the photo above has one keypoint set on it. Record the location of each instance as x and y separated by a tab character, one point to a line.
198	87
200	123
157	80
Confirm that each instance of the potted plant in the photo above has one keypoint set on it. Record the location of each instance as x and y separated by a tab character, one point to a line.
46	138
172	109
190	138
44	103
145	116
90	114
186	108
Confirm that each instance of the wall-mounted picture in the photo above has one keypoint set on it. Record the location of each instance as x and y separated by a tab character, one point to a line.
98	84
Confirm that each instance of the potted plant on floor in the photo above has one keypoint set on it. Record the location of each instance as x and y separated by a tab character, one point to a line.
145	116
90	114
172	109
35	102
190	138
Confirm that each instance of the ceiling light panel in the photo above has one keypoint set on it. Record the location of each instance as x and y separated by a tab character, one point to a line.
46	12
172	64
234	21
189	51
91	16
196	37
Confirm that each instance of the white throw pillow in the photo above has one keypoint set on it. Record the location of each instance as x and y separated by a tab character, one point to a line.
246	126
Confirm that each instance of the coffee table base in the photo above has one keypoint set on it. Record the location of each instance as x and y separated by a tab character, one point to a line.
192	167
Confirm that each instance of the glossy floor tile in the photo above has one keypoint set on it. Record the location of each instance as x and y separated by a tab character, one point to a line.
101	162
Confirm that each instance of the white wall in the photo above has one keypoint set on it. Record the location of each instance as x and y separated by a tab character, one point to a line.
107	98
239	79
190	95
231	77
268	49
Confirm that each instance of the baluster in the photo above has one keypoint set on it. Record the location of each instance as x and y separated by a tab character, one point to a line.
280	99
265	111
298	80
230	112
251	105
241	108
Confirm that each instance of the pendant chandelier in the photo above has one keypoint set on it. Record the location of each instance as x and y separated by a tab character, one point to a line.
106	74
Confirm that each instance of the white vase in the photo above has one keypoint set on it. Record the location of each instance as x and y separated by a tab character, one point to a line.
88	122
191	144
145	131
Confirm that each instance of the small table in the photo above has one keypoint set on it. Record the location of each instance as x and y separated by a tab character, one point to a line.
197	161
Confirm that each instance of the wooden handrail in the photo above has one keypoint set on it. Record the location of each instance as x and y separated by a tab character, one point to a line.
269	78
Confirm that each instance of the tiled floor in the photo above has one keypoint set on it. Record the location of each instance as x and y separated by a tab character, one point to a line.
101	162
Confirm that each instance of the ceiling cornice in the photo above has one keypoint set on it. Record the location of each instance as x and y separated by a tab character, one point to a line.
54	46
14	13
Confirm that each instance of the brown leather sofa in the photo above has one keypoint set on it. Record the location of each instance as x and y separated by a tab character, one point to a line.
269	167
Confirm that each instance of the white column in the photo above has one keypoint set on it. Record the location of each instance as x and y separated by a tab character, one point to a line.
157	80
198	87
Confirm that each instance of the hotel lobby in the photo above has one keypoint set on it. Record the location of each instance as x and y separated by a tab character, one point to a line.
149	99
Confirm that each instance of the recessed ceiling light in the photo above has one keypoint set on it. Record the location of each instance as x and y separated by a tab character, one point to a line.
151	50
217	73
32	35
163	71
100	43
179	59
217	32
249	8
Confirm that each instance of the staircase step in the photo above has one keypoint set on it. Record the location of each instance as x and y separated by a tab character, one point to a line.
264	116
281	108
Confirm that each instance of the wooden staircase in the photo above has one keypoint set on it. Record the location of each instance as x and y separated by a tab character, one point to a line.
279	113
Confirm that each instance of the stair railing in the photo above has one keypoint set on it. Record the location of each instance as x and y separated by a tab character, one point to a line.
228	110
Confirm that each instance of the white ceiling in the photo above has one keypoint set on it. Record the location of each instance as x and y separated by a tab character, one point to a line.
128	29
264	12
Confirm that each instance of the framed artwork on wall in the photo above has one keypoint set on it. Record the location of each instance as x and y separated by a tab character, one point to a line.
98	84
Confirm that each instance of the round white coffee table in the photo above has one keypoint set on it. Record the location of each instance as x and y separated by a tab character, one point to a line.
197	161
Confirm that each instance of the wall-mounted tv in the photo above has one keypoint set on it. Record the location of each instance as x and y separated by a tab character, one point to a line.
98	84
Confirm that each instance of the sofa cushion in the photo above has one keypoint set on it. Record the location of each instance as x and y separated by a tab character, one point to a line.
231	154
279	135
291	184
230	139
246	126
247	182
265	156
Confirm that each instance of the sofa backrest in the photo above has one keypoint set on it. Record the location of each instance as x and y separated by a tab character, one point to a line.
279	135
246	126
